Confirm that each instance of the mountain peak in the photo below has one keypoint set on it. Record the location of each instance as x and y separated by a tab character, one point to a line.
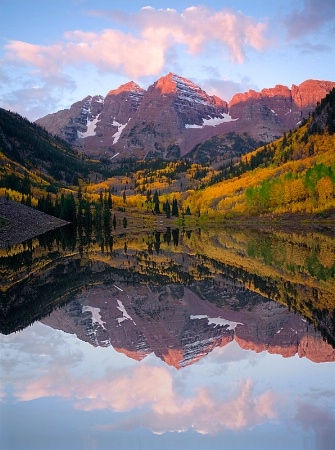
127	87
166	84
173	83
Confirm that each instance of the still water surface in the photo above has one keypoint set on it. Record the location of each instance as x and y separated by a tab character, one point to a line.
178	339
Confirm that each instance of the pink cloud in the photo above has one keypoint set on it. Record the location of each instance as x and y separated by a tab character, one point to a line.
205	412
155	401
144	51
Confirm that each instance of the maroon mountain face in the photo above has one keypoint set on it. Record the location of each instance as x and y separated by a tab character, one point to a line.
266	115
180	327
96	123
174	115
171	108
119	106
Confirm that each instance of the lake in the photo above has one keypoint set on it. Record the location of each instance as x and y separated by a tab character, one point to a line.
175	339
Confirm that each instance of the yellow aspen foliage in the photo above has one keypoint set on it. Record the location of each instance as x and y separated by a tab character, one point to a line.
325	189
298	190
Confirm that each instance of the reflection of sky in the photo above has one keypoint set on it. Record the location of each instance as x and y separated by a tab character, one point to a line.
60	392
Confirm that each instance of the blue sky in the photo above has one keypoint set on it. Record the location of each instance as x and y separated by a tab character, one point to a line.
54	53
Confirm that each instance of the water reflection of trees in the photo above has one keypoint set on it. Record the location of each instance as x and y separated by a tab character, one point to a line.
41	274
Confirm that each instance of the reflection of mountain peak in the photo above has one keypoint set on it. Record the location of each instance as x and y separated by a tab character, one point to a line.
180	328
217	266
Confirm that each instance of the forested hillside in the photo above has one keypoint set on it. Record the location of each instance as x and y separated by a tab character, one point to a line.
295	174
33	161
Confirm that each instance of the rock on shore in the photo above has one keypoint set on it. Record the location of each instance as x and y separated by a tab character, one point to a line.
22	222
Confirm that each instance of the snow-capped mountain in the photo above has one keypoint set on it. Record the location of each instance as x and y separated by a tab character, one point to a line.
96	123
79	120
174	115
181	327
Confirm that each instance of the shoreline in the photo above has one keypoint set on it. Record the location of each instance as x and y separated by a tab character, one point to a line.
22	222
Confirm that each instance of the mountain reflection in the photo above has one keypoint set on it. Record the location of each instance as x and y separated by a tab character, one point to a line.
177	293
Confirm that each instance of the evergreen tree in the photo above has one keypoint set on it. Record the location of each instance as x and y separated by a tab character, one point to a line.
167	209
57	207
107	218
98	216
156	203
109	200
175	210
80	194
71	209
87	219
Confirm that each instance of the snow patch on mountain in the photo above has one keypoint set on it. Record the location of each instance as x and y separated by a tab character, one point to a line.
96	317
136	97
91	124
190	91
196	350
212	121
125	315
217	321
121	127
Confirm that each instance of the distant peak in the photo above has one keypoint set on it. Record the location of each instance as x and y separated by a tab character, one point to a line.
171	81
127	87
166	84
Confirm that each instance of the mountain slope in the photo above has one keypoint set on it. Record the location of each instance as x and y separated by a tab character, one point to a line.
95	123
295	174
172	110
175	115
30	156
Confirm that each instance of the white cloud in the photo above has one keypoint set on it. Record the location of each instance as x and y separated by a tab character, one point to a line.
144	50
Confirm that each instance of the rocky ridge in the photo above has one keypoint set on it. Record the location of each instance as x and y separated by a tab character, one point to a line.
181	328
174	115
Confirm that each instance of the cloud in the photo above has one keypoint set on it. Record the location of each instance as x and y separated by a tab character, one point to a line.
310	18
36	97
205	412
311	417
154	399
154	396
226	89
309	48
144	50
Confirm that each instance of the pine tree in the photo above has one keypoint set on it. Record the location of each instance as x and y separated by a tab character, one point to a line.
109	200
175	210
167	209
156	203
87	218
107	218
